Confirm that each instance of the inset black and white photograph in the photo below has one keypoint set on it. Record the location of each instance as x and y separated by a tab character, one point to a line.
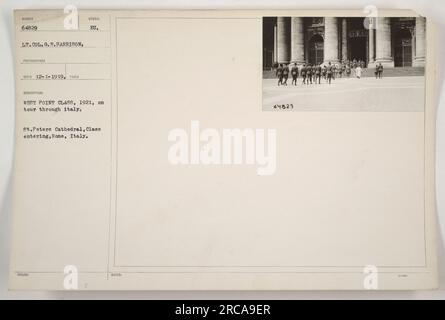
344	63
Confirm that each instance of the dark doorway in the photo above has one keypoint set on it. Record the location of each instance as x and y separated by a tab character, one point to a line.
358	49
269	24
316	47
403	53
357	40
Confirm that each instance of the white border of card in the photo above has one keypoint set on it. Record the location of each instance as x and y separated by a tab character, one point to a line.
349	203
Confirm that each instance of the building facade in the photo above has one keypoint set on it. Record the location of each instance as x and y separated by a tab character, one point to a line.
394	42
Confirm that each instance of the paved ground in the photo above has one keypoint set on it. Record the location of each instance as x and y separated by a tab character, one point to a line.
366	94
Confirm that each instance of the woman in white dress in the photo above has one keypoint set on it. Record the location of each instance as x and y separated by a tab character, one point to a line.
358	71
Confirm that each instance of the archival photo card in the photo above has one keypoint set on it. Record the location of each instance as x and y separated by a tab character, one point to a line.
344	63
156	150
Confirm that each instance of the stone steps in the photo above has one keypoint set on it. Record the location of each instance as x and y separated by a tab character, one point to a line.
396	72
387	72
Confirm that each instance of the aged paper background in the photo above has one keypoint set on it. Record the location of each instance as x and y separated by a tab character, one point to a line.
412	123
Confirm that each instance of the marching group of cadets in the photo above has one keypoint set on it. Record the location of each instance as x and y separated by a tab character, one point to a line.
314	73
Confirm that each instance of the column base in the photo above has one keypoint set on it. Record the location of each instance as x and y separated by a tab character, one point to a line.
386	63
371	64
419	62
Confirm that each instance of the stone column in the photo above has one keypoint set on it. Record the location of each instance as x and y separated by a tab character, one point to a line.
275	46
419	60
371	36
283	39
344	39
383	42
330	40
297	40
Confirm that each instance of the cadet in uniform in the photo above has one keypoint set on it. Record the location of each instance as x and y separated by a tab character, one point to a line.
303	73
380	70
348	70
308	74
294	73
314	76
324	72
280	74
285	74
329	72
318	74
340	71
